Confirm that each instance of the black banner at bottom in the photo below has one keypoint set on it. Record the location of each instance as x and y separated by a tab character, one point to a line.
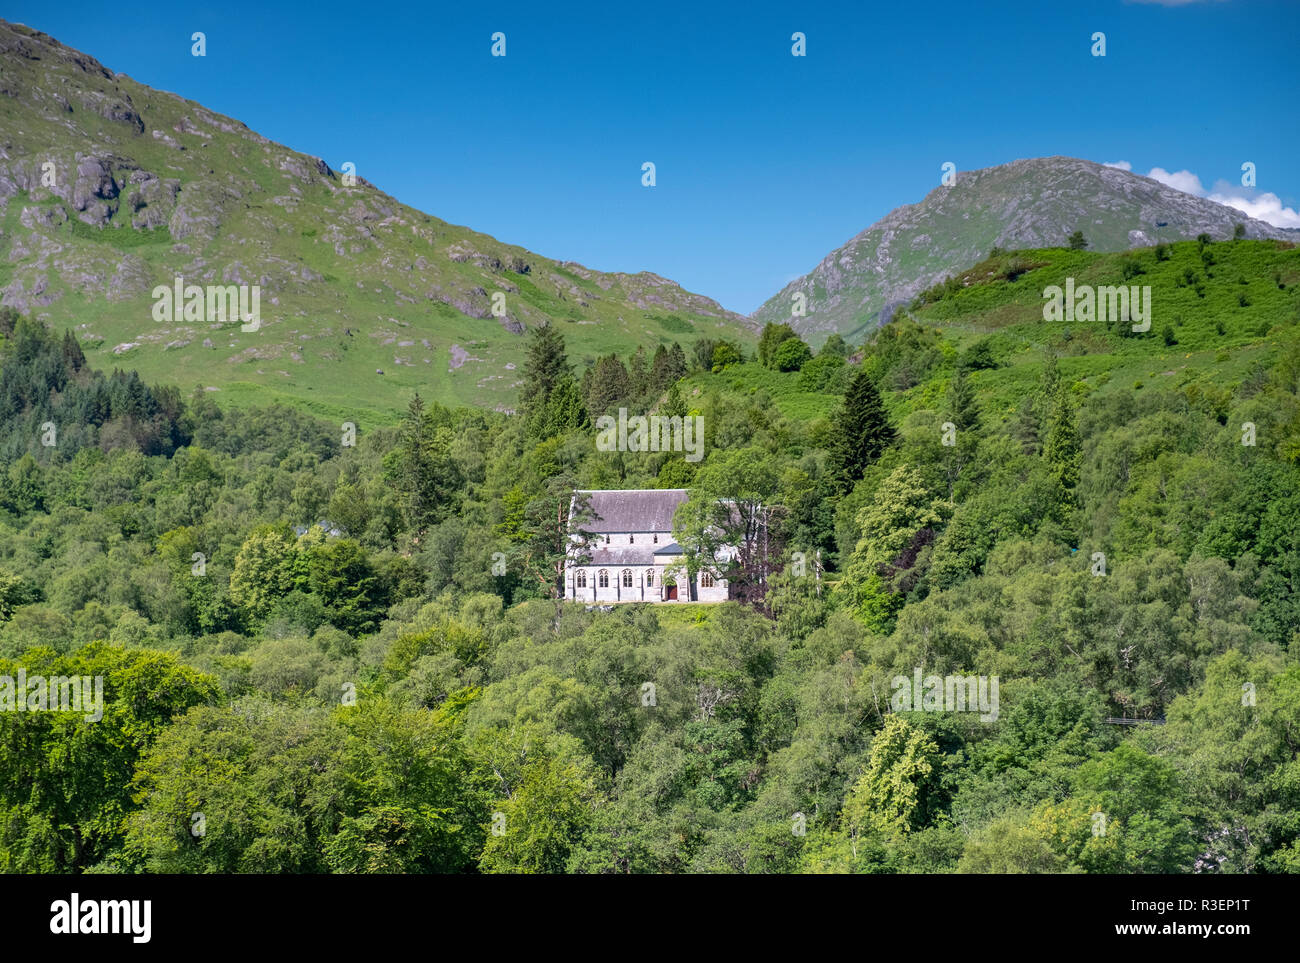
143	914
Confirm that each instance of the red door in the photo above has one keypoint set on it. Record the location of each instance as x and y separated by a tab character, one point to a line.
672	592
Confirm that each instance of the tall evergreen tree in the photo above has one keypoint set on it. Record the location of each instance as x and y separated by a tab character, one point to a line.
1062	448
674	406
862	431
544	365
564	410
668	366
73	356
962	408
638	373
677	357
421	468
609	386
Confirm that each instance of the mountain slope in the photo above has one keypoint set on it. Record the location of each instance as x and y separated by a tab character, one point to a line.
147	187
1026	204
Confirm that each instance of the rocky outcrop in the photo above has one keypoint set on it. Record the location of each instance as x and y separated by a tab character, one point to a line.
175	190
93	187
1028	203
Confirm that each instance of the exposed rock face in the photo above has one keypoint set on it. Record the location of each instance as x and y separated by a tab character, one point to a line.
171	190
1028	203
94	181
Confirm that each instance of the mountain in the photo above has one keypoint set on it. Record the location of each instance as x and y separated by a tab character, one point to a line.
1025	204
109	188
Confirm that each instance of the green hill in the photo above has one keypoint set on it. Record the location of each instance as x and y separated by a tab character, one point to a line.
1219	311
1032	203
147	187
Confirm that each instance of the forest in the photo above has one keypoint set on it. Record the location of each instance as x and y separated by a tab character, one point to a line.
313	663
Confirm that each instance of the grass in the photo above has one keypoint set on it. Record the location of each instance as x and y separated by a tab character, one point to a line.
346	274
1219	340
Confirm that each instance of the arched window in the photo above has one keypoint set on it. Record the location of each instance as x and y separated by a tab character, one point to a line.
650	578
656	538
606	539
627	578
580	580
706	580
603	579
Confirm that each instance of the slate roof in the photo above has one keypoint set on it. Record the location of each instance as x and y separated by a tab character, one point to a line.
634	510
624	556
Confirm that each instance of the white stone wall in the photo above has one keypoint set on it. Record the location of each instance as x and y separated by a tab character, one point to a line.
639	591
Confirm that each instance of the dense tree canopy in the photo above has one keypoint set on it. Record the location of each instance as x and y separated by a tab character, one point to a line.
320	656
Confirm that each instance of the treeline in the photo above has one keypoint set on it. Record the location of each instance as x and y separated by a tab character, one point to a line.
349	658
49	398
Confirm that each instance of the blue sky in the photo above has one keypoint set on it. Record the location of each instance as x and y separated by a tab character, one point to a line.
764	161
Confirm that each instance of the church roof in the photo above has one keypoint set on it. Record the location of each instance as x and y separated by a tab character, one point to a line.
623	556
634	510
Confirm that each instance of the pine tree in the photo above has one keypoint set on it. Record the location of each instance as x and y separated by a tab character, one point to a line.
414	473
658	377
609	386
962	408
73	356
862	431
564	410
1027	426
638	373
677	358
668	367
1062	447
703	351
674	406
544	365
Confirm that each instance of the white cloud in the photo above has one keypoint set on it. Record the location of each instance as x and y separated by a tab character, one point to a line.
1265	207
1183	180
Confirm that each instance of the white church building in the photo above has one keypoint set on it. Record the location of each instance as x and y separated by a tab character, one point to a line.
633	557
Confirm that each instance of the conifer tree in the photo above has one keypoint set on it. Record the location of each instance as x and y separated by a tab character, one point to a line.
609	386
638	373
544	365
677	358
962	408
862	431
1061	448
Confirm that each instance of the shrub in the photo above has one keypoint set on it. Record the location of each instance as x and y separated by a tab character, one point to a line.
790	355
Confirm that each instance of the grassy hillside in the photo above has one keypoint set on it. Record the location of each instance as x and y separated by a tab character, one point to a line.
1229	307
1032	203
148	186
